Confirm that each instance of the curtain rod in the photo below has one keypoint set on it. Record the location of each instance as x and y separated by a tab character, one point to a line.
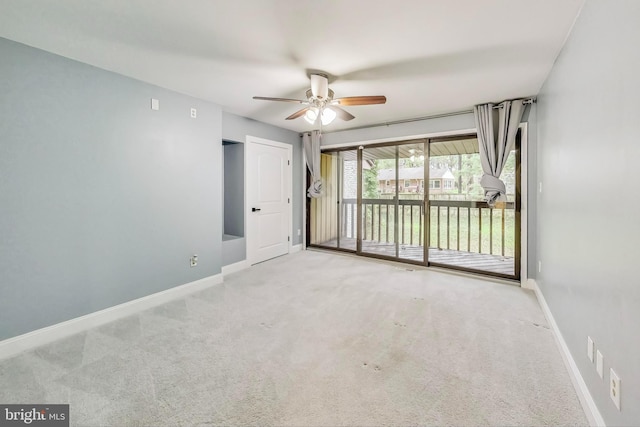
419	119
524	101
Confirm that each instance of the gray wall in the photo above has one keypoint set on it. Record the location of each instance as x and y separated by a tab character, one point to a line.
588	230
102	199
236	128
234	249
457	122
233	189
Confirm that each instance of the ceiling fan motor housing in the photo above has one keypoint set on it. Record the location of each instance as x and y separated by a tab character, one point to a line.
319	86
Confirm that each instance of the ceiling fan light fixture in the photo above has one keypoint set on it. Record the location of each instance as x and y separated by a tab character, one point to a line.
327	116
321	102
311	115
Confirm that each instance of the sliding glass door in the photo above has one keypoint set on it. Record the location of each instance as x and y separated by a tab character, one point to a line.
465	232
411	201
378	202
333	221
392	201
421	202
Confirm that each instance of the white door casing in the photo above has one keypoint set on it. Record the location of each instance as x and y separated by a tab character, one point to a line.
268	199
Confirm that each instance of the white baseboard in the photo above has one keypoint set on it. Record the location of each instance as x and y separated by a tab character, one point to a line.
13	346
588	405
295	248
528	284
234	268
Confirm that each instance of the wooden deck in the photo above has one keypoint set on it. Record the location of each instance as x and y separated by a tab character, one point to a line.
471	260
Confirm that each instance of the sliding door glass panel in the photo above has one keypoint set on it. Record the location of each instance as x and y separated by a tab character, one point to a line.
348	206
324	212
464	231
379	199
411	161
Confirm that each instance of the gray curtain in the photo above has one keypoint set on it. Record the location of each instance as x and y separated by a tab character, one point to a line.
311	142
497	128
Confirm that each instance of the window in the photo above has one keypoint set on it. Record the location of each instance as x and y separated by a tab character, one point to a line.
448	184
407	183
434	183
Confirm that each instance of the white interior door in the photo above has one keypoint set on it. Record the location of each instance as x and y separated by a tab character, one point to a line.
268	199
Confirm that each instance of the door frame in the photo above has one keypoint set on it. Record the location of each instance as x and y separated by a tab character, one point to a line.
249	142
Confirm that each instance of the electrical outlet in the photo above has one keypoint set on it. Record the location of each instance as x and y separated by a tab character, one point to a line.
590	347
298	231
541	186
194	260
539	266
194	113
614	388
600	364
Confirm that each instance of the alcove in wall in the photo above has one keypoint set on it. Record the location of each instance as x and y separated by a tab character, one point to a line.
233	239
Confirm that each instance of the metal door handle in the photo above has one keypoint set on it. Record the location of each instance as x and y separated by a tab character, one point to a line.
255	209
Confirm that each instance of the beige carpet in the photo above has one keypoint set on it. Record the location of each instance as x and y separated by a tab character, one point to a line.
313	339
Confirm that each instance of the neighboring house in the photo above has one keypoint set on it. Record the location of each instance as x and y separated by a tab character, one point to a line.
441	180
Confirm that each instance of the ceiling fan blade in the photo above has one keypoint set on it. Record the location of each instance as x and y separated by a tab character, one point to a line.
297	114
361	100
342	114
266	98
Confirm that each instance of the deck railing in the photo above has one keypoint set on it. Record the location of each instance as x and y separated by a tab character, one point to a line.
458	225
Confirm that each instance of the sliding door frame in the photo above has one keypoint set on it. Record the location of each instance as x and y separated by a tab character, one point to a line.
519	267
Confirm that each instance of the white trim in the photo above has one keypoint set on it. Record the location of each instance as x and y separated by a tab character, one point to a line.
524	229
304	198
295	248
528	284
400	138
256	140
235	267
13	346
588	405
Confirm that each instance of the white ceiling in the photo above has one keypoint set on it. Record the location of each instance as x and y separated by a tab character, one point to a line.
426	56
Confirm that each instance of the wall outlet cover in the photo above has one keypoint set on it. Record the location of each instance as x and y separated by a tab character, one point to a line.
614	388
590	347
155	104
194	113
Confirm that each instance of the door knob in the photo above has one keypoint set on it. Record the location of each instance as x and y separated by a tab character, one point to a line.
255	209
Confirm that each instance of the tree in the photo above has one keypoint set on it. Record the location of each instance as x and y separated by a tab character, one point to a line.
370	182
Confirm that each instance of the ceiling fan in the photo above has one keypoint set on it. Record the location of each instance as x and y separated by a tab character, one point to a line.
321	104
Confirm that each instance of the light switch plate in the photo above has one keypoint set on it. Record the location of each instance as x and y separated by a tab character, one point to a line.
590	348
600	364
155	104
